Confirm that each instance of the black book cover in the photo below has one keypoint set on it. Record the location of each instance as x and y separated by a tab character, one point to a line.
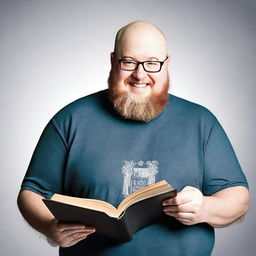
134	218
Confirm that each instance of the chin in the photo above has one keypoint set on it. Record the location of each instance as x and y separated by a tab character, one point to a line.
138	97
138	106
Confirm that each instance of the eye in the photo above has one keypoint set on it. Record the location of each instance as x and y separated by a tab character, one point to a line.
152	63
128	62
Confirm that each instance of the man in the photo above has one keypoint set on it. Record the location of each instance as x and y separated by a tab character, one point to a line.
107	145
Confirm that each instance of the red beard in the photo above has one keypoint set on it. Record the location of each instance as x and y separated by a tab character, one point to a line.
143	110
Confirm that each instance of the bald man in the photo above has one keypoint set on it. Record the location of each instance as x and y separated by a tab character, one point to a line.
111	143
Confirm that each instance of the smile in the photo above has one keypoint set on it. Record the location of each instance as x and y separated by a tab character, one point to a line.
139	85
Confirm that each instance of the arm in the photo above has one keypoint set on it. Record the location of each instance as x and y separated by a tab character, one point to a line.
219	210
40	218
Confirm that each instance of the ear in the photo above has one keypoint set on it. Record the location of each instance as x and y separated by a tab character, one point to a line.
112	57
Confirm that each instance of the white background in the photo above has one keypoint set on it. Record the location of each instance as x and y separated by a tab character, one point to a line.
55	51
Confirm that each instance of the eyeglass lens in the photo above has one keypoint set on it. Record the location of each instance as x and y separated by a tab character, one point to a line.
149	66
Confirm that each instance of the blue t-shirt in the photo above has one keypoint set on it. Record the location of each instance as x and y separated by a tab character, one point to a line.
87	150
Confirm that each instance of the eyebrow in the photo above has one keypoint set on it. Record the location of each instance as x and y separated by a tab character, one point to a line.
149	58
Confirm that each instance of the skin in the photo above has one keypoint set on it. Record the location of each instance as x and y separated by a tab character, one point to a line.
41	219
142	41
220	209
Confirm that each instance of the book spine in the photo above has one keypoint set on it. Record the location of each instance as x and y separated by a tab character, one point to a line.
124	228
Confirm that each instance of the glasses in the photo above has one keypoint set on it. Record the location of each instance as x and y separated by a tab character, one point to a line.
150	66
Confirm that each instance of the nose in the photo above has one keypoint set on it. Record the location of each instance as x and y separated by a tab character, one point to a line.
139	73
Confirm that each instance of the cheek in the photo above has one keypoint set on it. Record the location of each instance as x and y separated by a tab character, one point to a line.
122	78
155	79
159	82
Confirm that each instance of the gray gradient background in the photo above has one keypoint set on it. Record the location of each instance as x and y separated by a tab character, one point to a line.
52	52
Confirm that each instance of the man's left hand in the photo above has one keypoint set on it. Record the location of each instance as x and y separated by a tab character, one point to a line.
187	207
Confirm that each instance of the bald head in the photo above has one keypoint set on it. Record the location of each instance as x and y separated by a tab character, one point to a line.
143	37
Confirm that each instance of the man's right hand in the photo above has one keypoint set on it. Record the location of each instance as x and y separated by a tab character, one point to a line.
40	218
66	235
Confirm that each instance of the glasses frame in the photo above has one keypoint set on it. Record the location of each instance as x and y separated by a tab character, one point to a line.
142	63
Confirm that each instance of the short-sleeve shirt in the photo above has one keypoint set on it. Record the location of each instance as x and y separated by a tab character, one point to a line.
87	150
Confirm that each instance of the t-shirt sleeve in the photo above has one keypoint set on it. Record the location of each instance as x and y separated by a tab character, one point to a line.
47	166
221	167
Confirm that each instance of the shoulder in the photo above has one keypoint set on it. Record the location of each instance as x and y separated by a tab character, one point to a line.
186	105
81	107
190	110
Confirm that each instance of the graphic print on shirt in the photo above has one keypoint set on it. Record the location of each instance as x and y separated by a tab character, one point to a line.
138	175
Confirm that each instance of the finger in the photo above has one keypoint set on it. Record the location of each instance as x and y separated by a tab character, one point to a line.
90	229
70	232
77	240
185	221
181	215
72	239
169	201
188	188
184	196
64	226
187	207
181	198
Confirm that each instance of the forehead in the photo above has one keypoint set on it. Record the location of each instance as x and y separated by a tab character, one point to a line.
142	43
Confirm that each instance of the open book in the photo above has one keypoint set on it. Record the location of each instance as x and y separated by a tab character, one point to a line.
139	209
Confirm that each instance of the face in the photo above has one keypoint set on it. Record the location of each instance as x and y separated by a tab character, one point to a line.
139	87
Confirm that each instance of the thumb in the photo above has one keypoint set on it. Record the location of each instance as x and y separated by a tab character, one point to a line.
188	188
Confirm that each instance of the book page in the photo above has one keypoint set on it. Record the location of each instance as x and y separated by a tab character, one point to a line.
102	206
141	194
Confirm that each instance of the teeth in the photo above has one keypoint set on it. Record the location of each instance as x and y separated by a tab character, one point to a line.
139	85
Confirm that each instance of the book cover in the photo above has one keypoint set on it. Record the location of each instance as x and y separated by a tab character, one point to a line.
140	209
